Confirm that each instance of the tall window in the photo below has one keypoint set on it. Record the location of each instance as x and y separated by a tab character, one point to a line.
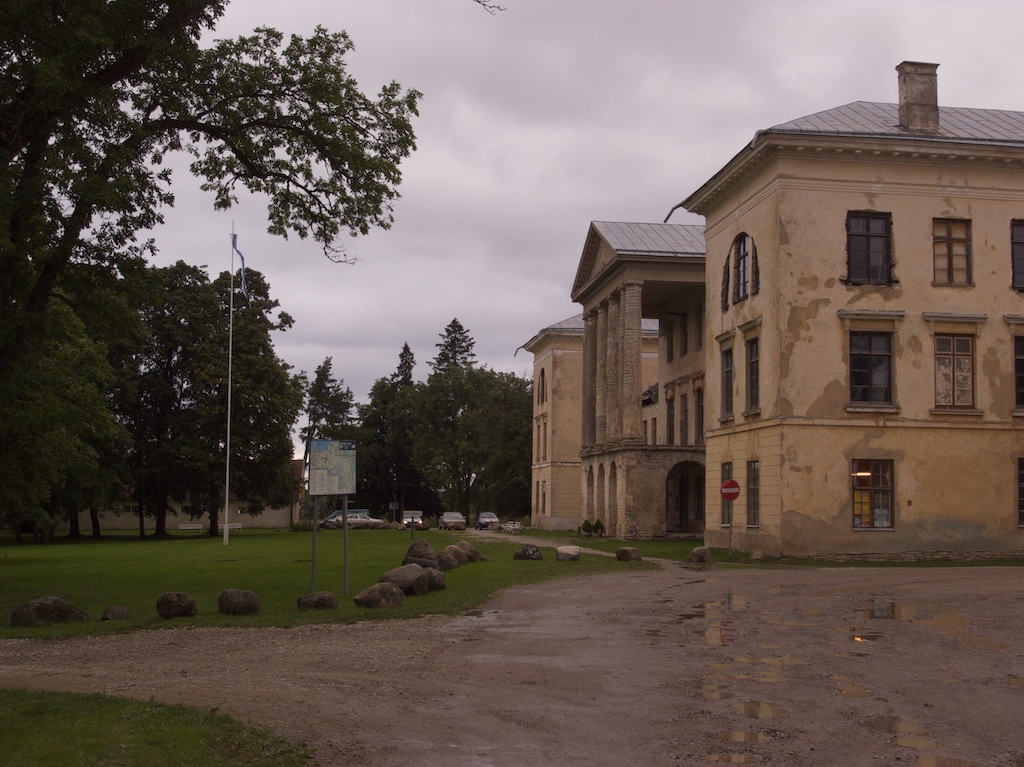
654	431
869	248
871	368
670	338
1020	491
698	424
872	493
684	420
726	383
670	427
753	373
753	493
1017	253
726	505
1018	368
954	371
542	388
951	246
741	261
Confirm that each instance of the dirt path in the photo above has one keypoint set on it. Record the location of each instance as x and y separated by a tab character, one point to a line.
676	667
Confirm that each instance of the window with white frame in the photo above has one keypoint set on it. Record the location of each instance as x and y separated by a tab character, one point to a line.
954	371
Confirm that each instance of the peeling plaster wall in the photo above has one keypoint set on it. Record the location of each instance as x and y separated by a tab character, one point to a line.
955	472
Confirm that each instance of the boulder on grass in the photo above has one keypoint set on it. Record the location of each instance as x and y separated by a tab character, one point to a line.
424	563
446	561
238	602
567	553
472	553
457	554
628	554
700	555
318	600
421	549
411	579
176	604
529	552
380	594
114	613
435	579
45	611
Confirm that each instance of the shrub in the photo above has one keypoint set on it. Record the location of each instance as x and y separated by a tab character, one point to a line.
587	527
598	528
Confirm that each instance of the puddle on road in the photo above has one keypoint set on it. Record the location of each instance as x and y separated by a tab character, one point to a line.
943	761
854	691
896	725
916	741
785	660
714	692
857	634
756	709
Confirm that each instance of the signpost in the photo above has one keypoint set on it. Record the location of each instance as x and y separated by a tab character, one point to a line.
730	492
332	471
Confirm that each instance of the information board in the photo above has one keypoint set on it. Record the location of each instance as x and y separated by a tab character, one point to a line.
332	467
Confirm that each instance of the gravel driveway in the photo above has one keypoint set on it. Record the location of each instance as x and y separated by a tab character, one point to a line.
672	667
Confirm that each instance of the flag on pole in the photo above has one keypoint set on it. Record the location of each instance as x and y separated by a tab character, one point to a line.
245	288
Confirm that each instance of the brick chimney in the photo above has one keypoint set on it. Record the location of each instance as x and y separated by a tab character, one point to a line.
919	97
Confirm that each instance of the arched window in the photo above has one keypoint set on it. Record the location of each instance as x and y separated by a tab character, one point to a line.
542	388
746	275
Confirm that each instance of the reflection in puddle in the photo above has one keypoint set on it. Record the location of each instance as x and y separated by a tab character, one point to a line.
733	758
741	736
713	692
721	633
942	761
785	660
896	725
756	709
860	635
915	741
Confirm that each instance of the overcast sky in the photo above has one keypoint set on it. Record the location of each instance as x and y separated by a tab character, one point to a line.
551	114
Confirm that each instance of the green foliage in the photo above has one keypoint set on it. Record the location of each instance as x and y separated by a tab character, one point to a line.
587	526
100	729
598	528
91	574
455	350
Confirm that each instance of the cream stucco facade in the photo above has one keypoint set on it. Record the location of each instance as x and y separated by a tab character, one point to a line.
846	333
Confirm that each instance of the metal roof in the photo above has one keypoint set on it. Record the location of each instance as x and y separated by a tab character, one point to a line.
653	239
866	118
577	324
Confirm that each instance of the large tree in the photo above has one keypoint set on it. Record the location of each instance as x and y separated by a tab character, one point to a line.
93	97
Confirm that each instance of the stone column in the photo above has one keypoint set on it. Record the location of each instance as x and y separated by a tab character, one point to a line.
613	378
632	384
601	377
589	376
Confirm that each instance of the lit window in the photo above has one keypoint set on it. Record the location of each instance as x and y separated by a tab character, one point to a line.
872	494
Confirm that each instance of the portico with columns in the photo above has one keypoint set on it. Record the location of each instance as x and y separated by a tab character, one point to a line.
628	273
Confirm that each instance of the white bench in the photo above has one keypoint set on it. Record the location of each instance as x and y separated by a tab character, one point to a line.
233	525
196	526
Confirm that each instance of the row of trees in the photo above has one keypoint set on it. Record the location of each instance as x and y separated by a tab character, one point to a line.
460	441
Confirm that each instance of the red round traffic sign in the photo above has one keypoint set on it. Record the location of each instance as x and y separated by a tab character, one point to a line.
730	490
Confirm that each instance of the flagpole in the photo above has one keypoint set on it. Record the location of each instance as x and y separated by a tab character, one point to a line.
231	340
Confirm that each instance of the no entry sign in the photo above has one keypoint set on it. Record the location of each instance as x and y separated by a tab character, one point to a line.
730	490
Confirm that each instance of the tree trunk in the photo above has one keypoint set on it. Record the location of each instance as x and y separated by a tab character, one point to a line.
74	529
214	527
160	529
142	518
94	519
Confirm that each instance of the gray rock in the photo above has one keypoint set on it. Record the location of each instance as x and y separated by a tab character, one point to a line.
318	600
380	594
114	613
457	554
176	604
424	563
701	555
472	553
45	611
567	553
411	579
421	549
628	554
238	602
435	579
446	561
529	551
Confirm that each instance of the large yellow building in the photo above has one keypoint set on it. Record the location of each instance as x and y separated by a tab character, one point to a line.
863	340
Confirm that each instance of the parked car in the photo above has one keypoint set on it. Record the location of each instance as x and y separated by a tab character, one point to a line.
413	519
357	519
487	520
451	520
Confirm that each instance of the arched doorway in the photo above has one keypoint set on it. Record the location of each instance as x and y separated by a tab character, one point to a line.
684	498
